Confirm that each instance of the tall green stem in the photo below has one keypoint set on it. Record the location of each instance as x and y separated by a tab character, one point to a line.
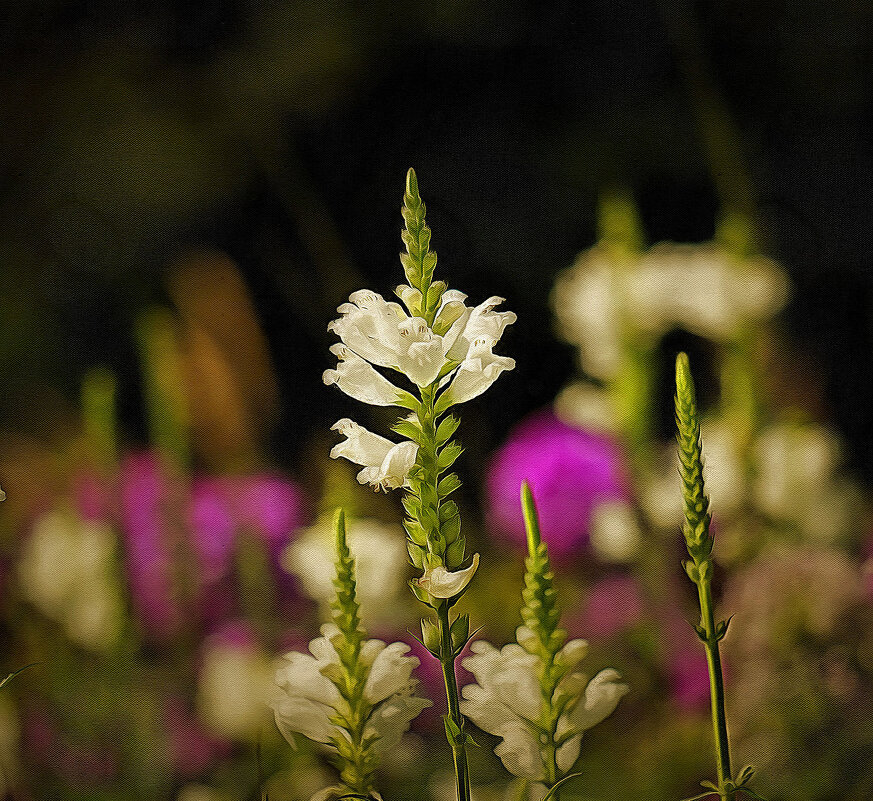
716	687
447	660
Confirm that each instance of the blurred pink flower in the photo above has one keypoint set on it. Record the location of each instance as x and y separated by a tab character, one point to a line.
614	604
146	494
570	471
92	496
192	749
686	666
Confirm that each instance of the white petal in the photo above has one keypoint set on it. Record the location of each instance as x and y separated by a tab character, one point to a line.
601	697
477	372
359	379
361	446
301	676
520	752
568	753
390	672
392	718
482	321
306	717
442	583
396	465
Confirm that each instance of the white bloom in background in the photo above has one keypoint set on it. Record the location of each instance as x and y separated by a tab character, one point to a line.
443	583
386	464
615	534
308	699
703	289
379	550
723	468
68	571
587	303
585	406
234	686
506	701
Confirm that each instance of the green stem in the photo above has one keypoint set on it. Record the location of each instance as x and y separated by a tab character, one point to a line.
447	660
716	687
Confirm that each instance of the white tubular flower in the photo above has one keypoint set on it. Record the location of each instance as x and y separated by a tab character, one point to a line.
443	583
505	701
472	324
359	379
386	465
308	699
478	371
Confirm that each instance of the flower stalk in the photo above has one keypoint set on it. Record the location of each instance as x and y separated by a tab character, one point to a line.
445	349
699	542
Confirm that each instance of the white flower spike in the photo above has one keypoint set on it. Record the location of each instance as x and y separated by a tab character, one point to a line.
505	701
479	370
308	699
386	465
443	583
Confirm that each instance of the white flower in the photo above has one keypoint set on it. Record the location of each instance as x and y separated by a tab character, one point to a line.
506	701
308	699
359	378
443	583
472	324
234	687
386	465
380	557
68	571
478	371
376	332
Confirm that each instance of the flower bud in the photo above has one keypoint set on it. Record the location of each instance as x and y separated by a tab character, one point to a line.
430	636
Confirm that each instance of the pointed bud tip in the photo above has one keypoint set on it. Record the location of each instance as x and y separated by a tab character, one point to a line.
411	183
531	520
339	524
683	371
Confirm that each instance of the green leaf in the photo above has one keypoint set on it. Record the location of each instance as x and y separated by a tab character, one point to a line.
448	455
408	429
446	428
14	673
448	484
557	785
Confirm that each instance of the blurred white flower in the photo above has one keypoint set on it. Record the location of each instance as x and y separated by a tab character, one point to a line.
68	571
234	685
379	550
587	304
723	468
703	289
506	701
308	699
604	298
583	405
615	534
386	464
797	480
443	583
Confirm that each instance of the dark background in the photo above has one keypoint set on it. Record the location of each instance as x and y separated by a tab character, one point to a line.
281	134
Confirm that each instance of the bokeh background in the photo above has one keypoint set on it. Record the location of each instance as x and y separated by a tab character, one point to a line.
188	192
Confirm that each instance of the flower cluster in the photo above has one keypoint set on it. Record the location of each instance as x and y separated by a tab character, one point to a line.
353	694
457	348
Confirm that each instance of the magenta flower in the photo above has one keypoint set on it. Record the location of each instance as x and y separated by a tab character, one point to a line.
146	494
570	471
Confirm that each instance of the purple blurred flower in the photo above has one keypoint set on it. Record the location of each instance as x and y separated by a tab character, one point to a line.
146	492
570	471
192	749
92	496
614	604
